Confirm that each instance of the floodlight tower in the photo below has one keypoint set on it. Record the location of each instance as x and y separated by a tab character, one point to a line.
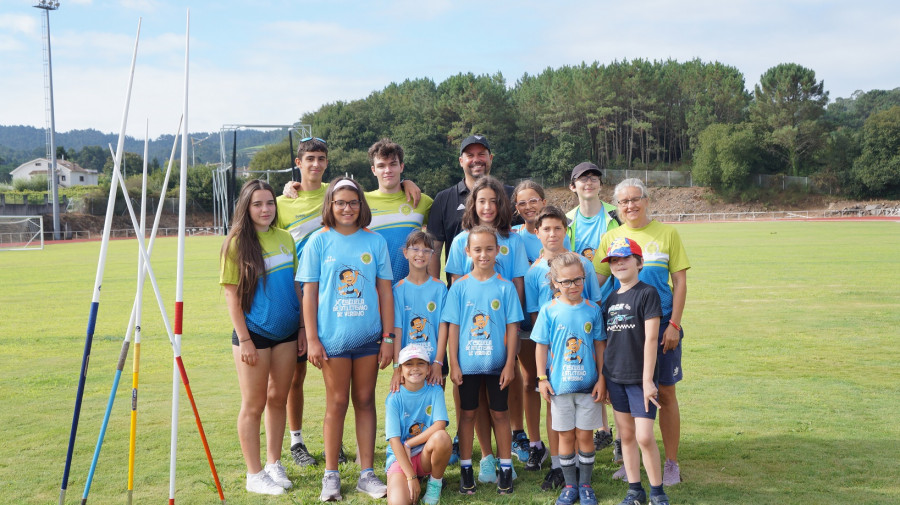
47	6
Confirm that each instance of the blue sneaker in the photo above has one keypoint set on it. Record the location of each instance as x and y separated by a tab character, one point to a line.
521	447
568	496
454	456
586	495
635	498
487	469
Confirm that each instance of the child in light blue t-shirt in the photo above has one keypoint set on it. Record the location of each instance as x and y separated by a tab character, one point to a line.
570	340
418	305
415	428
483	311
347	311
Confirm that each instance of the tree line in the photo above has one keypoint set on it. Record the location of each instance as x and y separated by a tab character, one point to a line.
656	115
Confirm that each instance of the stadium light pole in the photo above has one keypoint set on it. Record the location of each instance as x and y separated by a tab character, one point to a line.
47	6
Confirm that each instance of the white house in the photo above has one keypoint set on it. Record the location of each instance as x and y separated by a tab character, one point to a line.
70	174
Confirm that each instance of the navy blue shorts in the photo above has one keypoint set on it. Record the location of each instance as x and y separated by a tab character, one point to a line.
370	349
262	342
670	371
629	398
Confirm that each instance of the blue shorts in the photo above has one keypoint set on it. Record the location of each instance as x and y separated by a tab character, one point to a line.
629	398
370	349
670	371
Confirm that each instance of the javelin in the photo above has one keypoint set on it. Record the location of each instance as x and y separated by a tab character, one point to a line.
95	301
117	156
137	339
179	299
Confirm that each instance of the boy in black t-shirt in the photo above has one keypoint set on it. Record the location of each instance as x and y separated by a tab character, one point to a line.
632	316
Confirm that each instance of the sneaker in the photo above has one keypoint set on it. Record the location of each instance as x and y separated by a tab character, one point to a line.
432	492
536	458
505	481
602	440
661	499
671	473
301	455
617	451
276	472
620	474
521	447
487	469
466	480
635	498
568	496
454	456
553	480
261	483
586	495
342	455
331	487
371	485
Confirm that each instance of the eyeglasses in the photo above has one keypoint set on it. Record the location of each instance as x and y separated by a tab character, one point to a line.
417	250
530	201
567	283
342	204
630	201
589	178
307	139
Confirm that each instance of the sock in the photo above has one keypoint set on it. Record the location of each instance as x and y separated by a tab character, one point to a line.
586	467
365	471
332	471
567	461
505	463
516	432
537	443
439	481
657	490
635	486
465	462
554	461
296	437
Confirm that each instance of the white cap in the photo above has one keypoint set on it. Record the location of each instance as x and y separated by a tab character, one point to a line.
413	351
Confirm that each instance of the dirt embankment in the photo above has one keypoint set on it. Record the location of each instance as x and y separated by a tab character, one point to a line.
662	201
704	200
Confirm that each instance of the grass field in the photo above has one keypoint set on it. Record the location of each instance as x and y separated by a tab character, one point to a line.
791	375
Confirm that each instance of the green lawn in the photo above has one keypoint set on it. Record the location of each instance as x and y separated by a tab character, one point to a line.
790	356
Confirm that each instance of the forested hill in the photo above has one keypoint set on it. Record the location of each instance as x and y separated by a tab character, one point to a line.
19	144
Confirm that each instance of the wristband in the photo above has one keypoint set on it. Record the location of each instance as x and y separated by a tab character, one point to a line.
396	365
675	325
438	362
387	340
411	478
541	378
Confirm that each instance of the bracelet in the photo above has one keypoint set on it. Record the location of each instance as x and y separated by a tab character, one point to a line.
245	340
387	340
396	365
439	363
541	378
411	478
675	325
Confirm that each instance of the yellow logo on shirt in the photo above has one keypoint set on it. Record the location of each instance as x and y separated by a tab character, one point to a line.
366	258
588	327
405	209
495	304
504	250
431	306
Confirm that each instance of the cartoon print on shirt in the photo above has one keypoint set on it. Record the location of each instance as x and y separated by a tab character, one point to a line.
479	326
416	429
588	253
573	345
417	332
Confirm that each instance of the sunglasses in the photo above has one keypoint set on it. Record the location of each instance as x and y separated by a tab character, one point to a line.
307	139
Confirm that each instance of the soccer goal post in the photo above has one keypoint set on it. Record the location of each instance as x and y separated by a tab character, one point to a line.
21	233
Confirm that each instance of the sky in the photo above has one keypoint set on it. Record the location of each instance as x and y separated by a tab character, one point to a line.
270	61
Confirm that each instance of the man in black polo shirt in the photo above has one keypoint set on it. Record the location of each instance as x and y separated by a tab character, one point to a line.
444	222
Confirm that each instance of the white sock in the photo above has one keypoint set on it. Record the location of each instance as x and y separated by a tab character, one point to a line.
439	481
554	462
296	437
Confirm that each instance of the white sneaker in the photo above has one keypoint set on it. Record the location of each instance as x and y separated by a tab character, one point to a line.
371	485
331	487
276	472
263	484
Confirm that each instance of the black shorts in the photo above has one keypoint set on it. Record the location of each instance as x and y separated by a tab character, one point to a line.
262	342
470	391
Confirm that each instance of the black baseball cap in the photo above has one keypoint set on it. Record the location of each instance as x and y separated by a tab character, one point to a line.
583	168
474	139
